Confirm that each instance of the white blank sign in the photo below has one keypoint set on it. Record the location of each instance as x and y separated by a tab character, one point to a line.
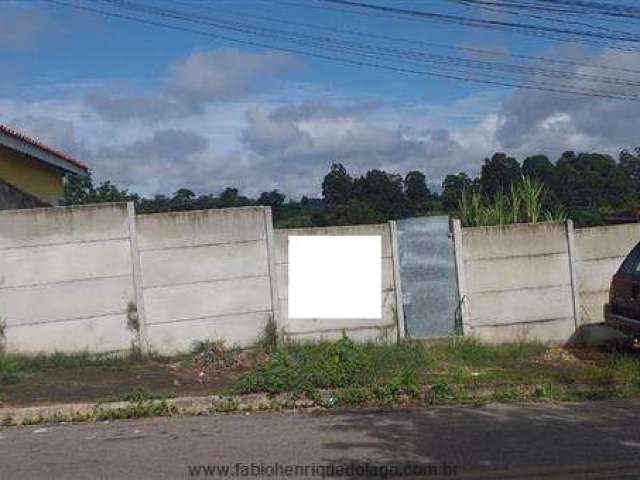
335	277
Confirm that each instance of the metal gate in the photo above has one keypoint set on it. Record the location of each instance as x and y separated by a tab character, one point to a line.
428	276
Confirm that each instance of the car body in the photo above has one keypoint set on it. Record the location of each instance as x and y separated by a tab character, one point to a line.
623	310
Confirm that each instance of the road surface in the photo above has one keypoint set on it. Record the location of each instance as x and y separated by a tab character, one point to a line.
588	440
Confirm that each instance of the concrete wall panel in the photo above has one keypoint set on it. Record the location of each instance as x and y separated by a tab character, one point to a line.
65	301
385	334
46	226
298	325
595	275
197	264
205	227
599	253
603	242
519	272
513	240
207	299
518	282
64	263
205	275
282	242
316	328
526	305
555	331
236	330
101	334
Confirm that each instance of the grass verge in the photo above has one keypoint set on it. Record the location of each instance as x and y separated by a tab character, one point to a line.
459	370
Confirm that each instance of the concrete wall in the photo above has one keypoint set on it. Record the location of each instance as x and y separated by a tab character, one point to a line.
358	329
66	278
599	253
205	275
517	282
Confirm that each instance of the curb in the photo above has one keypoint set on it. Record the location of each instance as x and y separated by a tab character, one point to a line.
256	402
188	406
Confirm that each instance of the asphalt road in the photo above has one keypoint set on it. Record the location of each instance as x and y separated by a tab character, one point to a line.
589	440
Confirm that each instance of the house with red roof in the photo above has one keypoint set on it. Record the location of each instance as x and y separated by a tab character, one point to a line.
32	174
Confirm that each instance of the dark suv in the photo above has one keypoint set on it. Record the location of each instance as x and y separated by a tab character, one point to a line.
623	310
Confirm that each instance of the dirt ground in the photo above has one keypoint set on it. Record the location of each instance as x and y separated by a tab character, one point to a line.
113	383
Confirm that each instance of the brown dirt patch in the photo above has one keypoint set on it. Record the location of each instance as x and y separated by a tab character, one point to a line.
170	377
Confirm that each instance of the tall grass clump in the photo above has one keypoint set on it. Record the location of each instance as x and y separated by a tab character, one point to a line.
522	204
343	364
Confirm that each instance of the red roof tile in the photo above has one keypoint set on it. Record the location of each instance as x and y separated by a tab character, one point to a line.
42	146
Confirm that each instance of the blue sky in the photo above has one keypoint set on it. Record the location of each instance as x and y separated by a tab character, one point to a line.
155	109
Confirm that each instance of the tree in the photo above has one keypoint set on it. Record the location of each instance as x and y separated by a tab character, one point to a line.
80	190
383	192
629	162
273	199
416	191
498	173
539	167
591	180
356	212
231	198
452	188
183	199
337	186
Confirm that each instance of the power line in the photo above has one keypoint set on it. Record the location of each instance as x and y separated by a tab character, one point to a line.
336	53
580	36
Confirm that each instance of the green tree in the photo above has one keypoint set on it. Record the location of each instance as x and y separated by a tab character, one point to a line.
498	173
337	186
452	188
356	212
539	167
630	164
80	190
383	192
591	180
273	199
416	190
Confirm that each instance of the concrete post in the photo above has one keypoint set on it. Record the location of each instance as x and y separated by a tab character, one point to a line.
397	281
575	287
463	297
137	277
273	272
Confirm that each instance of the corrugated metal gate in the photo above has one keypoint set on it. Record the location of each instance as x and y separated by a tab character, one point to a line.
428	275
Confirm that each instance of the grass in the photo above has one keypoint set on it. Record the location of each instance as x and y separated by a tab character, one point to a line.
13	367
453	370
522	204
341	372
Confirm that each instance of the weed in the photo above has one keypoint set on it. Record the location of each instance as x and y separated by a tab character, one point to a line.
142	394
3	335
140	409
268	339
10	370
341	364
133	319
441	389
524	203
471	352
209	353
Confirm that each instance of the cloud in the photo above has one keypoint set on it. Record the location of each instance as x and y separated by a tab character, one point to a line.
225	74
536	121
288	140
193	83
299	142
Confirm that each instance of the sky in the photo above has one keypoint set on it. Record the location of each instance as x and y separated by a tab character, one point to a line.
155	109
